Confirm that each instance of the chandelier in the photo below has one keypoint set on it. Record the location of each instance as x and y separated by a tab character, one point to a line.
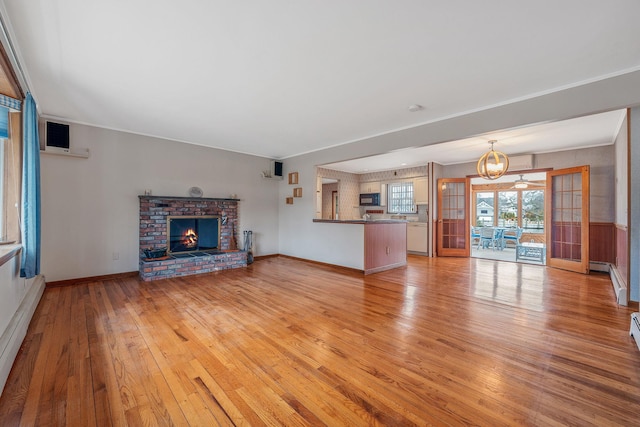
493	164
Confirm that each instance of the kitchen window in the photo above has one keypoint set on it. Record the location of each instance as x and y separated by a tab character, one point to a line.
400	198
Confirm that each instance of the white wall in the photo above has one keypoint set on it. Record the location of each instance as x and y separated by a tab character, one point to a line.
621	173
90	206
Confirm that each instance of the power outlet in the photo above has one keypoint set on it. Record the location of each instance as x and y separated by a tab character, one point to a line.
116	256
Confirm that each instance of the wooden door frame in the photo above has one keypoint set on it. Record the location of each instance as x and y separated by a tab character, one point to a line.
334	203
440	251
583	266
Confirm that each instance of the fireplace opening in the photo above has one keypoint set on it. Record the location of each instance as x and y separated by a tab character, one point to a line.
193	233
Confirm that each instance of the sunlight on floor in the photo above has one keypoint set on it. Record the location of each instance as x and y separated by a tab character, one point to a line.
513	284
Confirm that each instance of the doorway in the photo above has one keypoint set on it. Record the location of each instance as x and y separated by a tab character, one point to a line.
508	218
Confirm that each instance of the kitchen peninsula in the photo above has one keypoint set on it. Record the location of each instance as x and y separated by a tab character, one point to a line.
370	246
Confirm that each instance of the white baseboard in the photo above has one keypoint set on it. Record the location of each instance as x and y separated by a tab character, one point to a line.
12	337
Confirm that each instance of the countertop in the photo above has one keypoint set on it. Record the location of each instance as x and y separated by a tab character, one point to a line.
361	221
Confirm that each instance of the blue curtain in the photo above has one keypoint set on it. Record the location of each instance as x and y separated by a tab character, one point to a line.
30	266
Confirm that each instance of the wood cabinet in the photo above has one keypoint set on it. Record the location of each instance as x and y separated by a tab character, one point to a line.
369	187
385	246
421	191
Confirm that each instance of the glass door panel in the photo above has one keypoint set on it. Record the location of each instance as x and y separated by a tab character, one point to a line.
453	217
568	213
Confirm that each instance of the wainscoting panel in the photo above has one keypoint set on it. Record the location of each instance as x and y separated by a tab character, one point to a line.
622	252
602	242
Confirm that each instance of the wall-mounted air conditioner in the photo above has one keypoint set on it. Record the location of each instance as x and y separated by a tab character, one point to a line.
520	163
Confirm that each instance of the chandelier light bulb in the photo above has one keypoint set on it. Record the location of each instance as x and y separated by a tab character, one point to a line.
493	164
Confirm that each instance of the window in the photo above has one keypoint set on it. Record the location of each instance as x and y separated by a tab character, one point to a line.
400	198
484	208
533	211
510	208
10	175
507	208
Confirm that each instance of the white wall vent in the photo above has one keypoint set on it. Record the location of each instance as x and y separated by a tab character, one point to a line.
520	163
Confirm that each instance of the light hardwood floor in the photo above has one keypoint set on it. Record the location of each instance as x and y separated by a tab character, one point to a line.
285	342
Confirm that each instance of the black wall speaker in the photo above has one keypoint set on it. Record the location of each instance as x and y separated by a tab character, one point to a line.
57	135
276	168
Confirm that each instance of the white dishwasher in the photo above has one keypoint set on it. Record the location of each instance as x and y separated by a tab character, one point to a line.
417	237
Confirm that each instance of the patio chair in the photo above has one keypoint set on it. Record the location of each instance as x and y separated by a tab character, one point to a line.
475	236
513	236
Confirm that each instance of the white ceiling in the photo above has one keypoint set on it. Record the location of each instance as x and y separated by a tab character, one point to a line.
280	78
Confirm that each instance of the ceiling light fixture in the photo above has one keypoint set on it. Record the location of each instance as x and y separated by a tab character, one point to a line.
525	183
493	164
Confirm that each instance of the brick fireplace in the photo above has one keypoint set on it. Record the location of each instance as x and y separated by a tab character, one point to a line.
182	260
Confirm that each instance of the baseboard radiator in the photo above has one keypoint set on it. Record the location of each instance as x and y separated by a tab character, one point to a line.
619	287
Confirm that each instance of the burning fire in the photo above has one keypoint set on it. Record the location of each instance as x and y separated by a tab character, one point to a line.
190	238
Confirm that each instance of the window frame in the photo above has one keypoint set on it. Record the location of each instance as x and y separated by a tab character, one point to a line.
11	170
407	198
496	189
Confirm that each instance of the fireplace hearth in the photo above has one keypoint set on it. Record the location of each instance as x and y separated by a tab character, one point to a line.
199	235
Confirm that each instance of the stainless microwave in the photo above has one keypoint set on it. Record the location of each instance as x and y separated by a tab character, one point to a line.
370	199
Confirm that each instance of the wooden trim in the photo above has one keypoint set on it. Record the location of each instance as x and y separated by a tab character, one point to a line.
261	257
384	268
70	282
12	179
520	172
11	76
505	186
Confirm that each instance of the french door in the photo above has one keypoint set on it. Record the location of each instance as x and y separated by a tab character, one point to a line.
567	216
453	230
